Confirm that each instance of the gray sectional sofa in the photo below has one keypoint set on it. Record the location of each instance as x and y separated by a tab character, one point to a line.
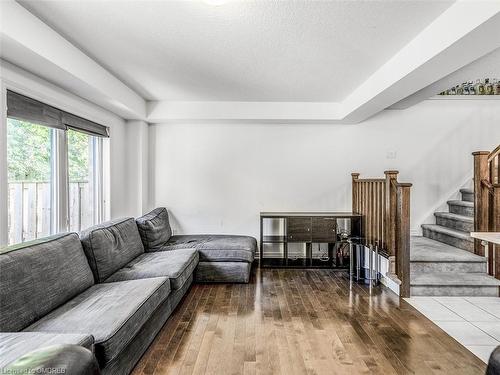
109	290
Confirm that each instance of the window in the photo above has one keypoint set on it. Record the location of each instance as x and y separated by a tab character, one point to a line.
54	165
84	168
30	180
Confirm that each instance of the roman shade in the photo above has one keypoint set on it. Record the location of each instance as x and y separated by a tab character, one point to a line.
23	108
86	126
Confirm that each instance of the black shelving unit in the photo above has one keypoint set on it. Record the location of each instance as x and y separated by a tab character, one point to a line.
307	228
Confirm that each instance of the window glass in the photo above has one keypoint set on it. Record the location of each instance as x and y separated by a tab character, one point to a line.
84	180
30	180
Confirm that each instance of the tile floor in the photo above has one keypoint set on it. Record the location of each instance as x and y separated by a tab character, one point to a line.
472	321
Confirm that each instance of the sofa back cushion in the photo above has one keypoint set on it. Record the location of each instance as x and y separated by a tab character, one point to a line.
38	276
154	229
110	246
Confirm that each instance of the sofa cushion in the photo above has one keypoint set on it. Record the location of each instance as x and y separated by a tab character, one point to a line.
112	312
223	272
110	246
177	265
125	362
38	276
216	248
154	229
15	344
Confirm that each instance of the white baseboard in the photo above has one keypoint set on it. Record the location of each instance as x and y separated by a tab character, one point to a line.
391	284
416	232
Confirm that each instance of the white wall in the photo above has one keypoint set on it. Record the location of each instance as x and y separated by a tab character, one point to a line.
218	177
137	156
121	174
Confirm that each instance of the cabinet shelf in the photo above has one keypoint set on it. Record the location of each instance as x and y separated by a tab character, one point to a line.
306	228
274	239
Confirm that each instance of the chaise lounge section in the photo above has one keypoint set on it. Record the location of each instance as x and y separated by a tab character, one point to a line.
222	258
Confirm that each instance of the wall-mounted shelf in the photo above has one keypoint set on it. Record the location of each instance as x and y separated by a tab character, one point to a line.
465	97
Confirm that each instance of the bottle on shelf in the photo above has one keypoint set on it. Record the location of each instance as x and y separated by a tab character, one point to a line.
459	89
465	88
472	88
480	90
488	87
496	87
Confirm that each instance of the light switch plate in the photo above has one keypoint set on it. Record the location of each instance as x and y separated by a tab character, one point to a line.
391	155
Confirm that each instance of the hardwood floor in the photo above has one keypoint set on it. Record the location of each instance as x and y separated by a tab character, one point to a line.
301	322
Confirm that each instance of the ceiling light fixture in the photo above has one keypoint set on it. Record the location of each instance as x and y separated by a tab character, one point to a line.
216	2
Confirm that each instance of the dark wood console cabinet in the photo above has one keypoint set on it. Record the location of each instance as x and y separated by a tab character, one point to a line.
307	228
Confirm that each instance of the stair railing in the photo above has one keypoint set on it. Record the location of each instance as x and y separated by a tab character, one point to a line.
487	204
384	204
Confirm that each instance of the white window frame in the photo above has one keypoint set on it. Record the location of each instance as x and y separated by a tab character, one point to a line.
4	236
98	161
60	194
60	191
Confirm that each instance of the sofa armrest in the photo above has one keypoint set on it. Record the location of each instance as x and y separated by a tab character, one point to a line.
56	359
494	362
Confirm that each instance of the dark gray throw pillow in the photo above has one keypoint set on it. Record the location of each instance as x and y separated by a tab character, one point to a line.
154	229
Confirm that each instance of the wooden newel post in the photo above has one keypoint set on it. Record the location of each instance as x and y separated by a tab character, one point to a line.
496	208
481	198
355	197
496	228
403	238
391	178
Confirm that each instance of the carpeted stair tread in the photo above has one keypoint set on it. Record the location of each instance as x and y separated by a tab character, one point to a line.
461	203
452	216
454	279
448	231
423	249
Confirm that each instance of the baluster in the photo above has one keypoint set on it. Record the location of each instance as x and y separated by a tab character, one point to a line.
382	209
360	197
374	214
494	170
365	210
379	218
390	210
383	242
369	212
498	169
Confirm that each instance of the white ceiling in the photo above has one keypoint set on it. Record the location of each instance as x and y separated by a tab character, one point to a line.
242	50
